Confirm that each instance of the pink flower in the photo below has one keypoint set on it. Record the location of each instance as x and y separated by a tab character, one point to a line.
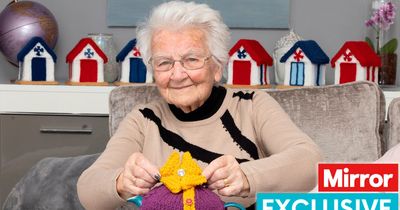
383	17
381	20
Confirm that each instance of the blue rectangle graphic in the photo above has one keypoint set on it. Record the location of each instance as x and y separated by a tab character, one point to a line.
236	13
327	201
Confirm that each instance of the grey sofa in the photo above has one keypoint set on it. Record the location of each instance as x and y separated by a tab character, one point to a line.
393	125
346	121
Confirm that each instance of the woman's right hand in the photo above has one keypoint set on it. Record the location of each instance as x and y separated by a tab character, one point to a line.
137	177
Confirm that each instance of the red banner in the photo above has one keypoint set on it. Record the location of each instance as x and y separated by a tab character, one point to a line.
358	177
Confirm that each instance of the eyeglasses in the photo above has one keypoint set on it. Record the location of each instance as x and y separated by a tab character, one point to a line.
189	62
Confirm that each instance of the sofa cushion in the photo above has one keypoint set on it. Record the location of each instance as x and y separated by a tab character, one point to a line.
346	121
124	98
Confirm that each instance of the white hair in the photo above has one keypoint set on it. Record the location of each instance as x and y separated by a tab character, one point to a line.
180	14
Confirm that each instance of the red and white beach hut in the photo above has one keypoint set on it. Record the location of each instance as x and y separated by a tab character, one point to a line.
248	64
355	61
86	64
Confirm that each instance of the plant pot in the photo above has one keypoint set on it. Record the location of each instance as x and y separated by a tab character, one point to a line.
387	73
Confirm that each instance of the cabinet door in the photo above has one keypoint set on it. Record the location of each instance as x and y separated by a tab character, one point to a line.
26	139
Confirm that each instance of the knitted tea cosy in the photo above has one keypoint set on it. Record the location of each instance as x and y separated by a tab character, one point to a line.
182	188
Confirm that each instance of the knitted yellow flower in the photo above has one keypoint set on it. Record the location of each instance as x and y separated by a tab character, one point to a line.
183	176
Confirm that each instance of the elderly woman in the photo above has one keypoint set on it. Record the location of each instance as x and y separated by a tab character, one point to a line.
243	140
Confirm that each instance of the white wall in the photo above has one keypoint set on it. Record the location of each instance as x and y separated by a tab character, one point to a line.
328	22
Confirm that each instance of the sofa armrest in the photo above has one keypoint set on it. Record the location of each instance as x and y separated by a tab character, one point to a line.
393	123
50	184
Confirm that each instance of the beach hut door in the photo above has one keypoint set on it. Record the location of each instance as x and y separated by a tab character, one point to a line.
347	72
241	72
137	70
38	69
88	70
297	74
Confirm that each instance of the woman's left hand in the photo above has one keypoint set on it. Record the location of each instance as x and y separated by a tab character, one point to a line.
225	175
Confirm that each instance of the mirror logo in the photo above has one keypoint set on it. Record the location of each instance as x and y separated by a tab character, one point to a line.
342	186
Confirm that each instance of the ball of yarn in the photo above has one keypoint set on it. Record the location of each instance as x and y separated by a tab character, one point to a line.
162	199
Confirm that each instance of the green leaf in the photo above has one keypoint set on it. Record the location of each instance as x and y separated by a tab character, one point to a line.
370	43
390	46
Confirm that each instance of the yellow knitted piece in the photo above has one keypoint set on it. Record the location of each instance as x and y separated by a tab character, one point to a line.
183	176
169	173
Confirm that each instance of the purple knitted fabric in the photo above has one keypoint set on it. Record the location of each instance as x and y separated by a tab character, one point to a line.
160	198
206	199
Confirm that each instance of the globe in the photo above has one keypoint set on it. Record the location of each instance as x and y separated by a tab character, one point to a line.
22	20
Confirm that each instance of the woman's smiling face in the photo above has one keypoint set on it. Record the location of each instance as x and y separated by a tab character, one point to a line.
186	89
